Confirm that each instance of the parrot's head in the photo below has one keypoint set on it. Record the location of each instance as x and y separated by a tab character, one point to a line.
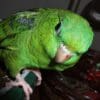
69	35
75	36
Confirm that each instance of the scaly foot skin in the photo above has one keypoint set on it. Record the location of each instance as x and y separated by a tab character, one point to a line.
26	87
21	82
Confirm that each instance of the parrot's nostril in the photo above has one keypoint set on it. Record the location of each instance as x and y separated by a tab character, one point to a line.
67	57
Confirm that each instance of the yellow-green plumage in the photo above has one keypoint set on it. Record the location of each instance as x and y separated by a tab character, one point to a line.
29	39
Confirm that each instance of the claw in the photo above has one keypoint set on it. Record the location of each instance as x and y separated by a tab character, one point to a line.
21	82
39	76
26	87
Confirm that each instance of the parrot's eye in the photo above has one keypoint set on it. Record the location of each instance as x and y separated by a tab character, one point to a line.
58	28
78	53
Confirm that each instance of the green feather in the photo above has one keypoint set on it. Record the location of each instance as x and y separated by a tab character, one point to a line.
30	39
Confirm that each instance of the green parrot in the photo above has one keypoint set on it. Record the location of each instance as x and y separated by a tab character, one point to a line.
52	39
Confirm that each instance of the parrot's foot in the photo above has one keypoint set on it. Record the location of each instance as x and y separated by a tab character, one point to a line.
37	74
21	82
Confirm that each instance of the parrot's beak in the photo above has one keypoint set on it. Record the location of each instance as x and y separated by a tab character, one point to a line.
62	54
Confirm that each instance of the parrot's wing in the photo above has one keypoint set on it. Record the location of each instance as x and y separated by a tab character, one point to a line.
10	30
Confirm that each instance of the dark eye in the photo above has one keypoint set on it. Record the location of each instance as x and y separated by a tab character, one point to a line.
58	28
78	53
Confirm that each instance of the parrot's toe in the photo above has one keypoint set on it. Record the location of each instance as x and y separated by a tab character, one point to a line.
39	76
21	82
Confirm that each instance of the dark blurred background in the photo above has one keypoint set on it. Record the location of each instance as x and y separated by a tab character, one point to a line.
90	9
